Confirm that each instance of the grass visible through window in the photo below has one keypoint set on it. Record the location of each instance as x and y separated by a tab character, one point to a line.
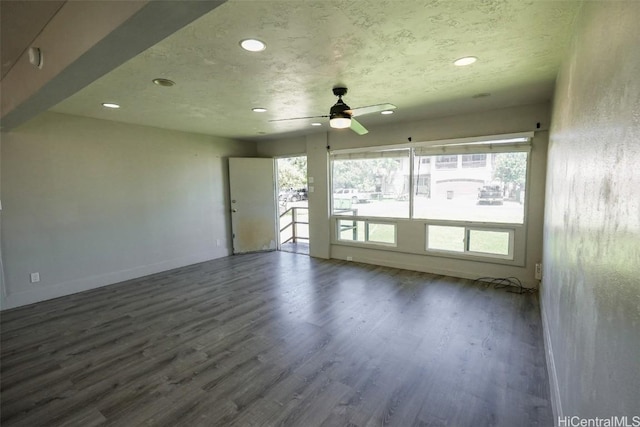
382	233
489	242
354	231
444	238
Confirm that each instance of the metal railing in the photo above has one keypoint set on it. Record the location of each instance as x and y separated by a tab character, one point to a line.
346	227
295	235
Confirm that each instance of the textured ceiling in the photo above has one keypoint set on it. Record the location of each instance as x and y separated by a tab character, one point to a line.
384	51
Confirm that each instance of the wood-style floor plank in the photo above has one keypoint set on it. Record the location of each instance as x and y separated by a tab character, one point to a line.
277	339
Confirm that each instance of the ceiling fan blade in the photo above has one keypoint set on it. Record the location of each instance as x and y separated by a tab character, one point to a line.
357	127
299	118
360	111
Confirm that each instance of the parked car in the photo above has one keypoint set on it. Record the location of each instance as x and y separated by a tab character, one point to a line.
292	195
356	196
490	194
300	195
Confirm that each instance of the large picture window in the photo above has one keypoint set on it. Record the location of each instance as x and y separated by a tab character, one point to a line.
371	184
487	187
469	193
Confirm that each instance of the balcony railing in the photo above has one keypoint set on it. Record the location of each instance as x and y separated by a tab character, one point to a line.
295	233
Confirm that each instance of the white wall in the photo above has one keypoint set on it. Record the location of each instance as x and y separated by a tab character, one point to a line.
284	147
591	288
410	251
319	203
88	203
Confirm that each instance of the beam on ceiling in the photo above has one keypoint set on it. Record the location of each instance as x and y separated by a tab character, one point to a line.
84	41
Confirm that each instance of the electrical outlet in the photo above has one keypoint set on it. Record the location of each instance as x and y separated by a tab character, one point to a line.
35	277
538	272
349	258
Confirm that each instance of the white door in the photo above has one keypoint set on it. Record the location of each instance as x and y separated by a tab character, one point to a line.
252	188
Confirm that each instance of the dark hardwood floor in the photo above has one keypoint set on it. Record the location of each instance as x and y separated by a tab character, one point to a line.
300	247
277	339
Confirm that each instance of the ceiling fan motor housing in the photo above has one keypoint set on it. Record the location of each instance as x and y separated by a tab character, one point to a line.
339	91
339	110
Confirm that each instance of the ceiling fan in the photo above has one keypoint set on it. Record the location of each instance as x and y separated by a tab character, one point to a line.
341	116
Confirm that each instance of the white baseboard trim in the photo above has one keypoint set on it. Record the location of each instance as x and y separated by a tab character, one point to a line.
556	402
415	267
44	293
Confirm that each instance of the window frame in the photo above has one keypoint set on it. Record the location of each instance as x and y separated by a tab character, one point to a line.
468	228
517	142
367	222
367	154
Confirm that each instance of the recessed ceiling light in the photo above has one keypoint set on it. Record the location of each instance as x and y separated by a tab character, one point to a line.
467	60
164	82
385	112
253	45
110	105
259	110
316	124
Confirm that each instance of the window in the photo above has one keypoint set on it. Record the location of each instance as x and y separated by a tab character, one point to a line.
446	162
490	188
445	238
493	242
490	242
423	180
469	193
474	160
366	231
371	184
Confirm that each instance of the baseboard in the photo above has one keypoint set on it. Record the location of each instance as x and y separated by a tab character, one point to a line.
417	267
414	267
44	293
556	402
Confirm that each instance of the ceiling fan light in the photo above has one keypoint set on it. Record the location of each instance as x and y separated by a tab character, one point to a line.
340	122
